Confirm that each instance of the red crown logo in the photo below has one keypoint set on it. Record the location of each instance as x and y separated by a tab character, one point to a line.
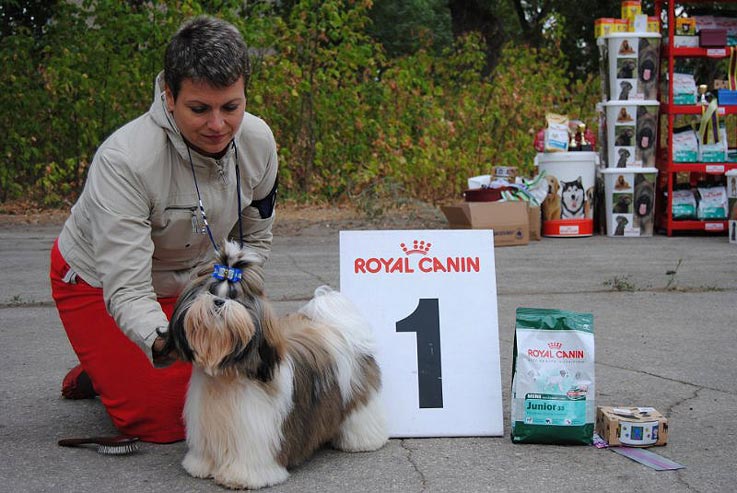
417	247
555	345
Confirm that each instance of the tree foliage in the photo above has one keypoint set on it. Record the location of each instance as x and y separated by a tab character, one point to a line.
353	117
404	26
31	15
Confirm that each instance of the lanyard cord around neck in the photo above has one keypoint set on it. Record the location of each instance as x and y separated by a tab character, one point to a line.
238	189
202	207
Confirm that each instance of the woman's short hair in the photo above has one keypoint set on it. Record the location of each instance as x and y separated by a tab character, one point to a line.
206	49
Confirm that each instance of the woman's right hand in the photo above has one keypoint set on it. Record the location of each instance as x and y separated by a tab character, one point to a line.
160	358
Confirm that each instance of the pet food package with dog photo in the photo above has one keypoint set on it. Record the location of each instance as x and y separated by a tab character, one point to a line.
731	177
684	89
714	151
712	202
684	202
553	392
629	198
632	130
685	145
568	204
633	65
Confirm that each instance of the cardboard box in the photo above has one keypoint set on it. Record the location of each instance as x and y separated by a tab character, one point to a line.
631	426
713	38
685	26
726	97
686	41
535	220
509	220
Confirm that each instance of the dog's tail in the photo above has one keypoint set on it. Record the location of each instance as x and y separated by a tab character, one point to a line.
335	309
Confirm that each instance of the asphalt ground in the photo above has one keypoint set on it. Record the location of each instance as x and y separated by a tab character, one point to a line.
665	315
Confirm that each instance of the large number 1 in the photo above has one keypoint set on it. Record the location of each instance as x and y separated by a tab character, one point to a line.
425	322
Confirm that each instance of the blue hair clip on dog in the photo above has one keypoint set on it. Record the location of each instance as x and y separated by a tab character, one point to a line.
225	273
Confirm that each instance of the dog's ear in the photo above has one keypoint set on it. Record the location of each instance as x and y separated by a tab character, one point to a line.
272	349
175	338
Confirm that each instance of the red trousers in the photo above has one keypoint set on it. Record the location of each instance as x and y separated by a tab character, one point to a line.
142	401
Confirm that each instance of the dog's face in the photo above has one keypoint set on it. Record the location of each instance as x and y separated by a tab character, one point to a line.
553	186
644	197
647	70
220	322
572	194
621	224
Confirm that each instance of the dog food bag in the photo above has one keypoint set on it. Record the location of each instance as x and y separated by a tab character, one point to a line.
553	377
684	204
684	89
712	203
685	145
556	133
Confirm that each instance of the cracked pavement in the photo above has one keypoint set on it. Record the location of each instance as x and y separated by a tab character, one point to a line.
674	349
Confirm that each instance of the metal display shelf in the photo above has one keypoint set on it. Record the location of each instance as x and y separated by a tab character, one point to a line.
667	168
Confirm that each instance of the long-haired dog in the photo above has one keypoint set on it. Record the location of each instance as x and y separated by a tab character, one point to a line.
588	205
551	204
266	392
621	183
647	69
624	116
647	127
644	202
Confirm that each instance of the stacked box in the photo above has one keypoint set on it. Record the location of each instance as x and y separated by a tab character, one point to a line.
732	197
631	426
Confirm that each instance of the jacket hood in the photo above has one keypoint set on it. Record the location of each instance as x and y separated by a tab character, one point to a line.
160	114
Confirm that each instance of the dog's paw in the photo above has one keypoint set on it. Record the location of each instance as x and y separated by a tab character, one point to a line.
364	430
197	466
238	478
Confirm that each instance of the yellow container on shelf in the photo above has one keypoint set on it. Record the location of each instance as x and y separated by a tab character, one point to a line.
604	26
620	26
653	24
685	26
631	8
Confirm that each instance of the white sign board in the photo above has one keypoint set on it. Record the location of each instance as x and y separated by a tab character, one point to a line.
431	298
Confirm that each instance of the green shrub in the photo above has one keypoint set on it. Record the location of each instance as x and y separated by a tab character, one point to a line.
350	122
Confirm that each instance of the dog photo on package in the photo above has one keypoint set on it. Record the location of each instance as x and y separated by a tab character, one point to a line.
553	377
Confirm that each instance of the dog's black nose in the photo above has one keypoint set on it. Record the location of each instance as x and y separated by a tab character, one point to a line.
219	302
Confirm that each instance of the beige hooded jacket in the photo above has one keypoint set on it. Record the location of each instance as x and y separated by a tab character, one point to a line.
136	230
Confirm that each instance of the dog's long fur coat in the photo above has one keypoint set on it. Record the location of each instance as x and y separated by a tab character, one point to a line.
265	393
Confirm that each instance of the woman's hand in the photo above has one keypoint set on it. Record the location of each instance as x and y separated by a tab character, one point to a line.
160	358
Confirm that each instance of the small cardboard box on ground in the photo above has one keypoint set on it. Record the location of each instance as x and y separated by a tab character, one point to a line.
631	426
509	220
